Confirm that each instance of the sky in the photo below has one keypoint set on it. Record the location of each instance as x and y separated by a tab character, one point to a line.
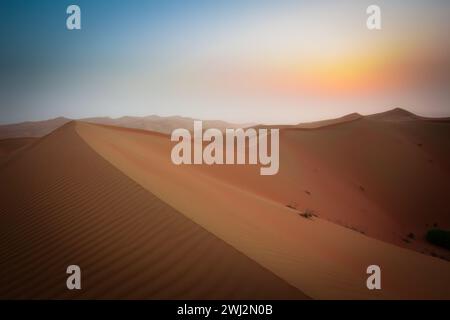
280	61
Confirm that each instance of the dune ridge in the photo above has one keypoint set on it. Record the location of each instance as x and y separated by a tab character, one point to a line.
35	129
63	204
321	258
375	184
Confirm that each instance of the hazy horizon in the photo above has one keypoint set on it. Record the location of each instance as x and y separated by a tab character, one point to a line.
293	122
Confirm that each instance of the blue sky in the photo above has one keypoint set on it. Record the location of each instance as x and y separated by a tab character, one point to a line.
270	61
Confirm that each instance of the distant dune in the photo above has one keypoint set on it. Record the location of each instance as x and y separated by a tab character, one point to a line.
31	128
109	199
152	123
163	124
314	124
325	123
394	115
168	124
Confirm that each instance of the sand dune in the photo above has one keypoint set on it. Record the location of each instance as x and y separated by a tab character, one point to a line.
151	123
314	124
9	146
385	175
248	211
64	204
394	115
162	124
325	123
109	199
31	128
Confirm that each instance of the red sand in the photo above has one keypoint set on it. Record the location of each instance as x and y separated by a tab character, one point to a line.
110	200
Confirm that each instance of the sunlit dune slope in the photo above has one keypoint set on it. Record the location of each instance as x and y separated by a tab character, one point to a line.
249	211
387	176
63	204
384	175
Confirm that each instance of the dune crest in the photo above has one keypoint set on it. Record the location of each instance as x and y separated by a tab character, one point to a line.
320	258
63	204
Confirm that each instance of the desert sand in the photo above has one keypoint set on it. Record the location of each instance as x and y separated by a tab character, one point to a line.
63	204
10	146
386	175
320	257
139	226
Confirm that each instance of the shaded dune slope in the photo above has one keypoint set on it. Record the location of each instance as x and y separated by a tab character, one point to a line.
63	204
9	146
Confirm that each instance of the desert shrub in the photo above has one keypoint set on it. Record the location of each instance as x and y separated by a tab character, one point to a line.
439	237
308	214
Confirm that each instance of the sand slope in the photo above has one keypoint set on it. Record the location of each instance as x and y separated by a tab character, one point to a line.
321	258
9	146
63	204
386	176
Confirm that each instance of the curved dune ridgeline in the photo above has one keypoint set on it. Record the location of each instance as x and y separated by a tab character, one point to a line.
319	256
63	204
350	192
